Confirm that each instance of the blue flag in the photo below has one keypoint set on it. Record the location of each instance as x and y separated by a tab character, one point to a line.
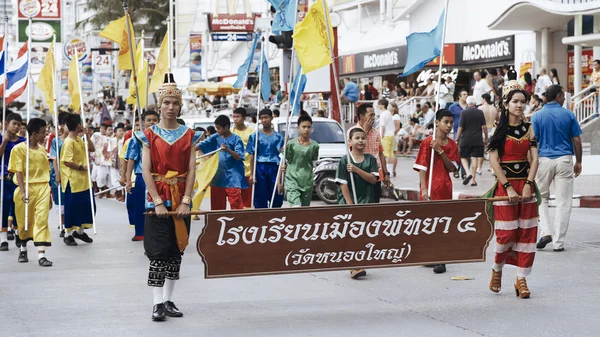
295	97
244	69
422	48
285	15
265	81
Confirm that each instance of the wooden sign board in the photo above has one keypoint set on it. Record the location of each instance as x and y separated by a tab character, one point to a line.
295	240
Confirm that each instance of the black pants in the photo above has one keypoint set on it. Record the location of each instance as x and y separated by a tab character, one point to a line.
377	191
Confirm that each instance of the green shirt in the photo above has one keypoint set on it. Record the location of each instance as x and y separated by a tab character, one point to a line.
299	165
364	189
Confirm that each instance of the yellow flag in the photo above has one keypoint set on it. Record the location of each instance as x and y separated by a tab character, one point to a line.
162	65
117	32
204	175
46	79
74	85
310	38
141	67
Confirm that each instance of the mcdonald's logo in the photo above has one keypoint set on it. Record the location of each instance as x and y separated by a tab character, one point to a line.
349	64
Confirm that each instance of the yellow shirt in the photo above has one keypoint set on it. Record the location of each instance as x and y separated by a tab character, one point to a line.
39	169
123	151
245	135
73	151
595	79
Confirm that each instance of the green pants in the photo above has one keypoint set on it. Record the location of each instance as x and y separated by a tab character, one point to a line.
298	198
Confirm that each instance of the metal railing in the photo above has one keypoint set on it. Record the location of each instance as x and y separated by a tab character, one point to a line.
585	104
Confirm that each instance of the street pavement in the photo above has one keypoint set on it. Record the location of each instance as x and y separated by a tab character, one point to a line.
100	290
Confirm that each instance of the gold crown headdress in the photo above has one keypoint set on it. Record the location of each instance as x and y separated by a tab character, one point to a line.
169	89
510	86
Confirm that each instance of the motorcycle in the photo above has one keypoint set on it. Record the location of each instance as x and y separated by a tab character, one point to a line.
324	182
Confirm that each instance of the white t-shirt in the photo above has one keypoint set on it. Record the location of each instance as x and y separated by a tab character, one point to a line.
443	93
542	83
481	87
386	124
429	117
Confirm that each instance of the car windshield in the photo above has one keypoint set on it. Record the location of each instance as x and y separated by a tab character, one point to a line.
203	125
322	132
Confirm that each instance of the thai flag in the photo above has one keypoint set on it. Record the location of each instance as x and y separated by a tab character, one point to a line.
17	75
2	70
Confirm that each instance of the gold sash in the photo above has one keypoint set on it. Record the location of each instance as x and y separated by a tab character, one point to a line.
171	179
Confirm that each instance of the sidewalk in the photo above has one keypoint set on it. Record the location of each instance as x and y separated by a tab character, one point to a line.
407	180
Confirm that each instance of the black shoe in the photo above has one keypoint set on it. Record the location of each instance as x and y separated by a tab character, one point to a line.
62	234
3	246
171	310
158	312
83	237
69	241
23	257
439	269
544	240
10	235
44	262
467	179
559	249
18	241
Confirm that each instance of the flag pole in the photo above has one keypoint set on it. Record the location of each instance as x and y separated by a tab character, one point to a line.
262	46
290	111
85	139
438	96
244	85
337	89
57	137
27	134
5	48
133	67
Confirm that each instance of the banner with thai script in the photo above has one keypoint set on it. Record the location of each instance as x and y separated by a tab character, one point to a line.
294	240
195	58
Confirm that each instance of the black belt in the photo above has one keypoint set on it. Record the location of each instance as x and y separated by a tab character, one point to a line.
516	170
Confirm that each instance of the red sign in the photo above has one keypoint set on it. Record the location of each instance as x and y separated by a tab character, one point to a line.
231	23
295	240
49	9
106	45
449	56
587	60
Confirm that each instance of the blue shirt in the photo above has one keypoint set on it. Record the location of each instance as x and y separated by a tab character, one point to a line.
456	110
231	172
54	155
351	91
8	149
134	152
554	128
269	147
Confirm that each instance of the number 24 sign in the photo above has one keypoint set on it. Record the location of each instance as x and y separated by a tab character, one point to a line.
103	64
49	9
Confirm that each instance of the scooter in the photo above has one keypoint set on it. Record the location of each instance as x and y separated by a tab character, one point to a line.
324	182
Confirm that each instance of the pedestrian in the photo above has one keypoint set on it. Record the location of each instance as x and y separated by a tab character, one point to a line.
413	137
385	90
490	112
496	83
244	132
554	76
115	172
529	84
137	187
595	78
397	127
38	191
543	82
445	161
481	87
350	92
264	174
169	181
228	182
515	220
558	134
373	91
55	172
76	187
451	89
472	126
301	156
10	139
387	129
457	109
364	170
366	118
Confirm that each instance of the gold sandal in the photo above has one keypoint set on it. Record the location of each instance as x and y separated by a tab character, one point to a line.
496	281
521	288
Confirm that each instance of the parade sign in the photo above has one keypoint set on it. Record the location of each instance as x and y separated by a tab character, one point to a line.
231	23
29	8
294	240
76	46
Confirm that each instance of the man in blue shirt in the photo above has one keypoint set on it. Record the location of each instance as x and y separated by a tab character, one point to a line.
558	135
350	92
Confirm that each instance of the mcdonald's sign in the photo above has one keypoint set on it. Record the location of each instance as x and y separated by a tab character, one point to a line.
378	60
348	64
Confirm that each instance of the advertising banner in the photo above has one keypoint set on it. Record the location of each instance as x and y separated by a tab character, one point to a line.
231	23
195	58
39	9
41	30
87	76
501	49
587	60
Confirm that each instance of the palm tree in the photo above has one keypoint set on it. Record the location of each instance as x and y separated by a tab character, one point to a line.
151	16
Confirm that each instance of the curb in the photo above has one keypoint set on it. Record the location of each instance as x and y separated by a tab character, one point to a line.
579	201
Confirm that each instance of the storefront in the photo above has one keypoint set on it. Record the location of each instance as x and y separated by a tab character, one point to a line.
376	66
